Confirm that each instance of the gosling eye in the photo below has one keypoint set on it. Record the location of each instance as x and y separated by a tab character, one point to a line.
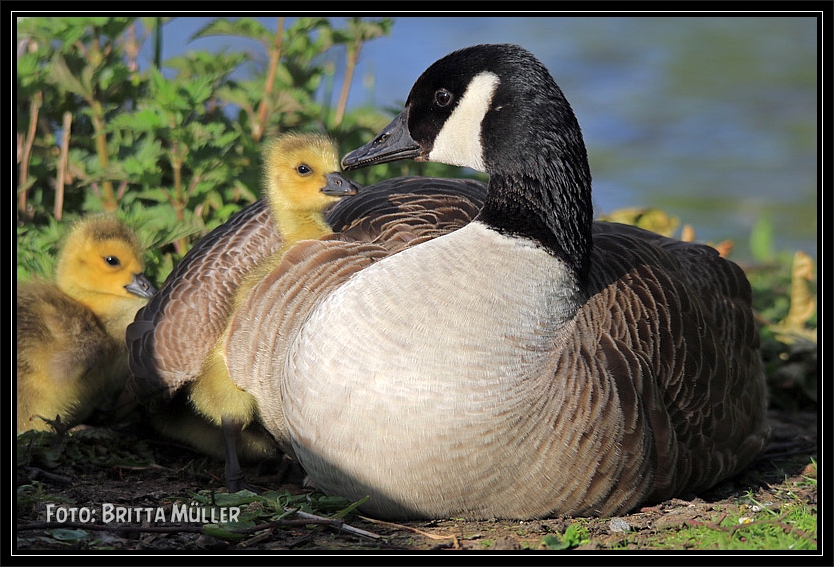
112	261
443	98
304	169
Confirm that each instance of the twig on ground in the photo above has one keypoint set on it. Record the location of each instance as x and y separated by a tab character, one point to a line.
409	528
339	524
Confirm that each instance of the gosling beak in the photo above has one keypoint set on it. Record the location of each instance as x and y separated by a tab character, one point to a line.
141	286
339	186
392	144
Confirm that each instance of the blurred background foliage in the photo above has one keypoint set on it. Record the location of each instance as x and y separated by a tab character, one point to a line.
174	150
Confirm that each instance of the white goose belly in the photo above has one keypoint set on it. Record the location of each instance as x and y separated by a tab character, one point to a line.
423	381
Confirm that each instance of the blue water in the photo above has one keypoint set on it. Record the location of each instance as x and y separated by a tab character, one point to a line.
713	119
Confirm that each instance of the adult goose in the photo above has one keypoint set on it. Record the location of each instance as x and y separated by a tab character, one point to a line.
531	363
71	357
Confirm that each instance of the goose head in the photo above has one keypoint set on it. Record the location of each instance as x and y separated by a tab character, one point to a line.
302	173
495	108
100	265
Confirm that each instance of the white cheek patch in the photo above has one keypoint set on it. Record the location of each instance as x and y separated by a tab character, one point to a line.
459	142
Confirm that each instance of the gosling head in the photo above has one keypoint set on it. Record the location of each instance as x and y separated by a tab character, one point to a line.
101	263
302	173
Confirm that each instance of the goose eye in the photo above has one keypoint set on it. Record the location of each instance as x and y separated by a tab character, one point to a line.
112	261
303	169
443	98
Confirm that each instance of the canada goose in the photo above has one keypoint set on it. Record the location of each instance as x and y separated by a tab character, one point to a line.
530	364
71	357
301	179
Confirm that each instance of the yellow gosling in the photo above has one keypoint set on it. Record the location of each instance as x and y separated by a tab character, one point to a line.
71	355
301	181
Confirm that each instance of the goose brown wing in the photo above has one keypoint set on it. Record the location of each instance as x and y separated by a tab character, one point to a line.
407	210
669	328
172	334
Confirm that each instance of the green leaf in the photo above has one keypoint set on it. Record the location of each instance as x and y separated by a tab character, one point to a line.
242	27
240	498
233	94
214	66
157	194
197	90
554	542
114	76
144	120
74	536
65	79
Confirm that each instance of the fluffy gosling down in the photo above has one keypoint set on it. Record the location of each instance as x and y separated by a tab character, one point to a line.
71	355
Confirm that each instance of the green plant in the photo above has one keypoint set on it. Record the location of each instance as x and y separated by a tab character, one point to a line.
83	78
254	510
793	528
574	536
173	148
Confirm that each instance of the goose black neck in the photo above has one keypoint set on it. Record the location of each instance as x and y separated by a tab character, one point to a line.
562	226
546	197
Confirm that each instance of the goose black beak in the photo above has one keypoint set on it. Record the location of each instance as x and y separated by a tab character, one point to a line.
339	186
141	286
392	144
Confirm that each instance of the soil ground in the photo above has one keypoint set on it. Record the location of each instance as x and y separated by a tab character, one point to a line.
67	478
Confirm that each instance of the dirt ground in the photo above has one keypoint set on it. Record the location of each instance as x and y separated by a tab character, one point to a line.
65	477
